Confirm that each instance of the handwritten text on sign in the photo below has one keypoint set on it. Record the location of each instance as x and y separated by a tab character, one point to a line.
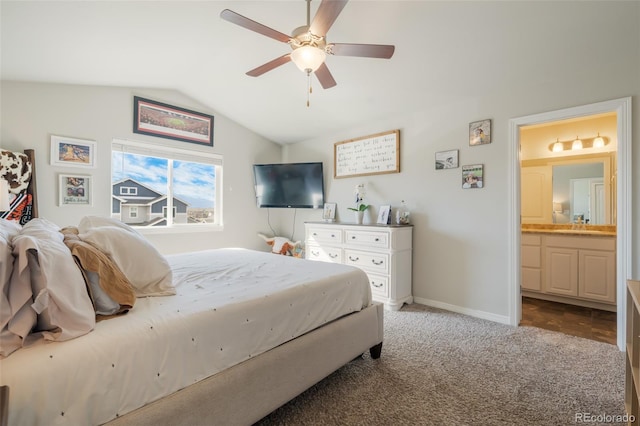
370	155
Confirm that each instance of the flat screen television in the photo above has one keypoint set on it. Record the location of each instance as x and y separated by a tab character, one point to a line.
289	185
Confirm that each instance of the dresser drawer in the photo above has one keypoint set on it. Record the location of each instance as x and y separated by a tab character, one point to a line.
379	285
326	235
367	238
374	262
325	253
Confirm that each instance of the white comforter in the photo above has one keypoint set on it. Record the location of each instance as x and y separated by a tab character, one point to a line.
231	305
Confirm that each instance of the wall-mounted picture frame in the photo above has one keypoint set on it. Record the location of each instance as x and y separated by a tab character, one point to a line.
480	132
329	212
447	159
167	121
384	215
473	176
75	190
72	152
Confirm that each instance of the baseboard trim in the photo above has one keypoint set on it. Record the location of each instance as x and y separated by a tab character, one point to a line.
502	319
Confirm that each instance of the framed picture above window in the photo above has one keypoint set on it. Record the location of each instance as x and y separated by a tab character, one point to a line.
166	121
71	152
75	190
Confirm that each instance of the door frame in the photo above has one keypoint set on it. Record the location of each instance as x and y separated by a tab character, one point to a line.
624	201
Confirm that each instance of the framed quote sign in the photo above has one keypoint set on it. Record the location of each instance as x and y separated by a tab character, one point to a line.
368	155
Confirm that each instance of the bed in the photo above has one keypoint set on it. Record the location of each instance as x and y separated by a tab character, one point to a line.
231	336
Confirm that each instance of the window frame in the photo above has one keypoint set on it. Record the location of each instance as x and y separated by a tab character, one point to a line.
171	153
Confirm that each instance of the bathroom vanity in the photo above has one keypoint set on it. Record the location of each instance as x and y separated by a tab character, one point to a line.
574	266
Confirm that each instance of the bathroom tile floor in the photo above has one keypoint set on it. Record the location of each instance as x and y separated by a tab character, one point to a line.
578	321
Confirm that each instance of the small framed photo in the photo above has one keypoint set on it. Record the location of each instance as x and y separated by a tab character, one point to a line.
480	132
384	215
329	212
72	152
75	190
447	159
473	176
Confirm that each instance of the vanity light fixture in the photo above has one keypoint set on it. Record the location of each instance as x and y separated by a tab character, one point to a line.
578	144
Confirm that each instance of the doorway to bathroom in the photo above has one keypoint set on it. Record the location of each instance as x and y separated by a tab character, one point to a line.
551	209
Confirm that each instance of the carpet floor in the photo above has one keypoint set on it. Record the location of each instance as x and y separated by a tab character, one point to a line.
443	368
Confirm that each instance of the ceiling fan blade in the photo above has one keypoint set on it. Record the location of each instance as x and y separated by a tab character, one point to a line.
324	77
256	72
326	15
233	17
383	51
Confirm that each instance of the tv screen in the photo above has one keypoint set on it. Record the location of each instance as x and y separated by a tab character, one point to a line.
291	185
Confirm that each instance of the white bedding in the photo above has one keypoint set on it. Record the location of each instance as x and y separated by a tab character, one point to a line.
231	305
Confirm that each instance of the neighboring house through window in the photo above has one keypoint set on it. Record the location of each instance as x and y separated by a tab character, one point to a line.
149	180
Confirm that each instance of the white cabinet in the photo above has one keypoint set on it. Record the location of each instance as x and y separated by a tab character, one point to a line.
531	262
383	252
578	269
582	266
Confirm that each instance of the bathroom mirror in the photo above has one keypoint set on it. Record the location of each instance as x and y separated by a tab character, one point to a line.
580	193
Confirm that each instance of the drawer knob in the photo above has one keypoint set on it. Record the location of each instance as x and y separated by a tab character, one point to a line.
377	263
315	233
377	239
354	259
353	237
373	283
333	236
315	253
333	255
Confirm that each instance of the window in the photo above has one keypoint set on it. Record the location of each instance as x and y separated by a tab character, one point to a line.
126	190
153	180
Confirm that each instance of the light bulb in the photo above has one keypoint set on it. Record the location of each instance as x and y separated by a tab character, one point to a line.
308	58
577	144
598	142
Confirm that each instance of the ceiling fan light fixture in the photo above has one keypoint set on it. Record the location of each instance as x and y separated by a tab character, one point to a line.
308	58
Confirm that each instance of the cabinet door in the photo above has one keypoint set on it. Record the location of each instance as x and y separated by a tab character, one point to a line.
562	271
536	194
597	275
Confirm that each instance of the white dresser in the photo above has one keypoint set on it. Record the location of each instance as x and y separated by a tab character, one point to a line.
382	251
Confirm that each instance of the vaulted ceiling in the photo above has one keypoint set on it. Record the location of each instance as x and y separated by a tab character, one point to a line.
444	51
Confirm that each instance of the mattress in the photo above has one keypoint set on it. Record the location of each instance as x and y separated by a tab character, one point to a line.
231	305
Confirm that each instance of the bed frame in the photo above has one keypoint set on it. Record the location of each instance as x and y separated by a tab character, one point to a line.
246	392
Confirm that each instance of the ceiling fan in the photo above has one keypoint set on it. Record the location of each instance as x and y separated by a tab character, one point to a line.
309	44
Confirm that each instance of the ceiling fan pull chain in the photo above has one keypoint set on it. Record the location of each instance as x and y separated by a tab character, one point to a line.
309	85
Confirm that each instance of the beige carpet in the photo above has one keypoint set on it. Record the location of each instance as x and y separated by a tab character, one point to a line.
442	368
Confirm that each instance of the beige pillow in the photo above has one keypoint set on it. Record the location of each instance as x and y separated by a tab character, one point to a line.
60	298
142	264
109	288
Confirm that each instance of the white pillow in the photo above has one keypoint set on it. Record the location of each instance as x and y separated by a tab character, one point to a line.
9	341
60	299
142	264
90	222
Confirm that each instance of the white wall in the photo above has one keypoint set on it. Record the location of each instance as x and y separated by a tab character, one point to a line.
32	112
544	56
461	236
